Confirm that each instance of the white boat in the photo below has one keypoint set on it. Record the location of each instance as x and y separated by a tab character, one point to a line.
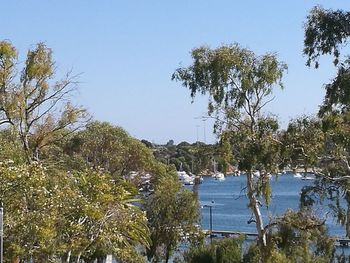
185	178
219	176
237	173
297	175
307	178
256	173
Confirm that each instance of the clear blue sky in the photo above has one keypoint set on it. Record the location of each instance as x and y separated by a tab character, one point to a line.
127	51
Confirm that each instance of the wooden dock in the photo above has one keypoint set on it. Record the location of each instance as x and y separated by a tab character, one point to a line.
225	233
233	233
340	241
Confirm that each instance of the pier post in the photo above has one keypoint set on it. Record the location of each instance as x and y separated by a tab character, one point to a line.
211	223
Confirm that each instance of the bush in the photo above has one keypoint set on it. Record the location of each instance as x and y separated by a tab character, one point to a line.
228	250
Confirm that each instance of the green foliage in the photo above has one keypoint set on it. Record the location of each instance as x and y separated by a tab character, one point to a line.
8	55
326	31
239	84
295	237
303	142
333	166
47	215
298	232
173	213
31	211
225	151
257	149
337	98
193	158
11	147
103	216
36	107
230	73
228	250
111	148
337	132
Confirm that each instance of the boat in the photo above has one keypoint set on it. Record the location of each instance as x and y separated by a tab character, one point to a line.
185	178
307	177
197	178
219	176
256	173
297	175
261	175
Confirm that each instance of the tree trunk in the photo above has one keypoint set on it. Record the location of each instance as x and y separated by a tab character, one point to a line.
167	256
25	141
347	223
255	207
167	253
68	256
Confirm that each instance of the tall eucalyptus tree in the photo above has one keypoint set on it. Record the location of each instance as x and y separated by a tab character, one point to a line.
239	85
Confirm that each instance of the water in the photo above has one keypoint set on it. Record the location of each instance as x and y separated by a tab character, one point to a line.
229	203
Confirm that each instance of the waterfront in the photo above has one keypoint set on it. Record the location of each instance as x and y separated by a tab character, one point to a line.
229	203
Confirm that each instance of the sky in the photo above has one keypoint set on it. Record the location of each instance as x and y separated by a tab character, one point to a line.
126	51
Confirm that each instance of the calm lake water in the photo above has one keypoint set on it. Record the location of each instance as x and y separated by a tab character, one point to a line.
230	211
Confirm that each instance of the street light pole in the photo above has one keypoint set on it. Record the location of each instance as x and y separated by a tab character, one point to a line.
211	223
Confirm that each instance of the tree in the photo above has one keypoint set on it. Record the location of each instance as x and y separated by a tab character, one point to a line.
170	209
326	32
303	143
290	238
31	212
225	151
173	213
239	84
35	105
68	215
327	144
228	250
111	148
11	147
102	217
148	144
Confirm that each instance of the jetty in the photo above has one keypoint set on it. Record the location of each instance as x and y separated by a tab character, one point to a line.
225	233
340	241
